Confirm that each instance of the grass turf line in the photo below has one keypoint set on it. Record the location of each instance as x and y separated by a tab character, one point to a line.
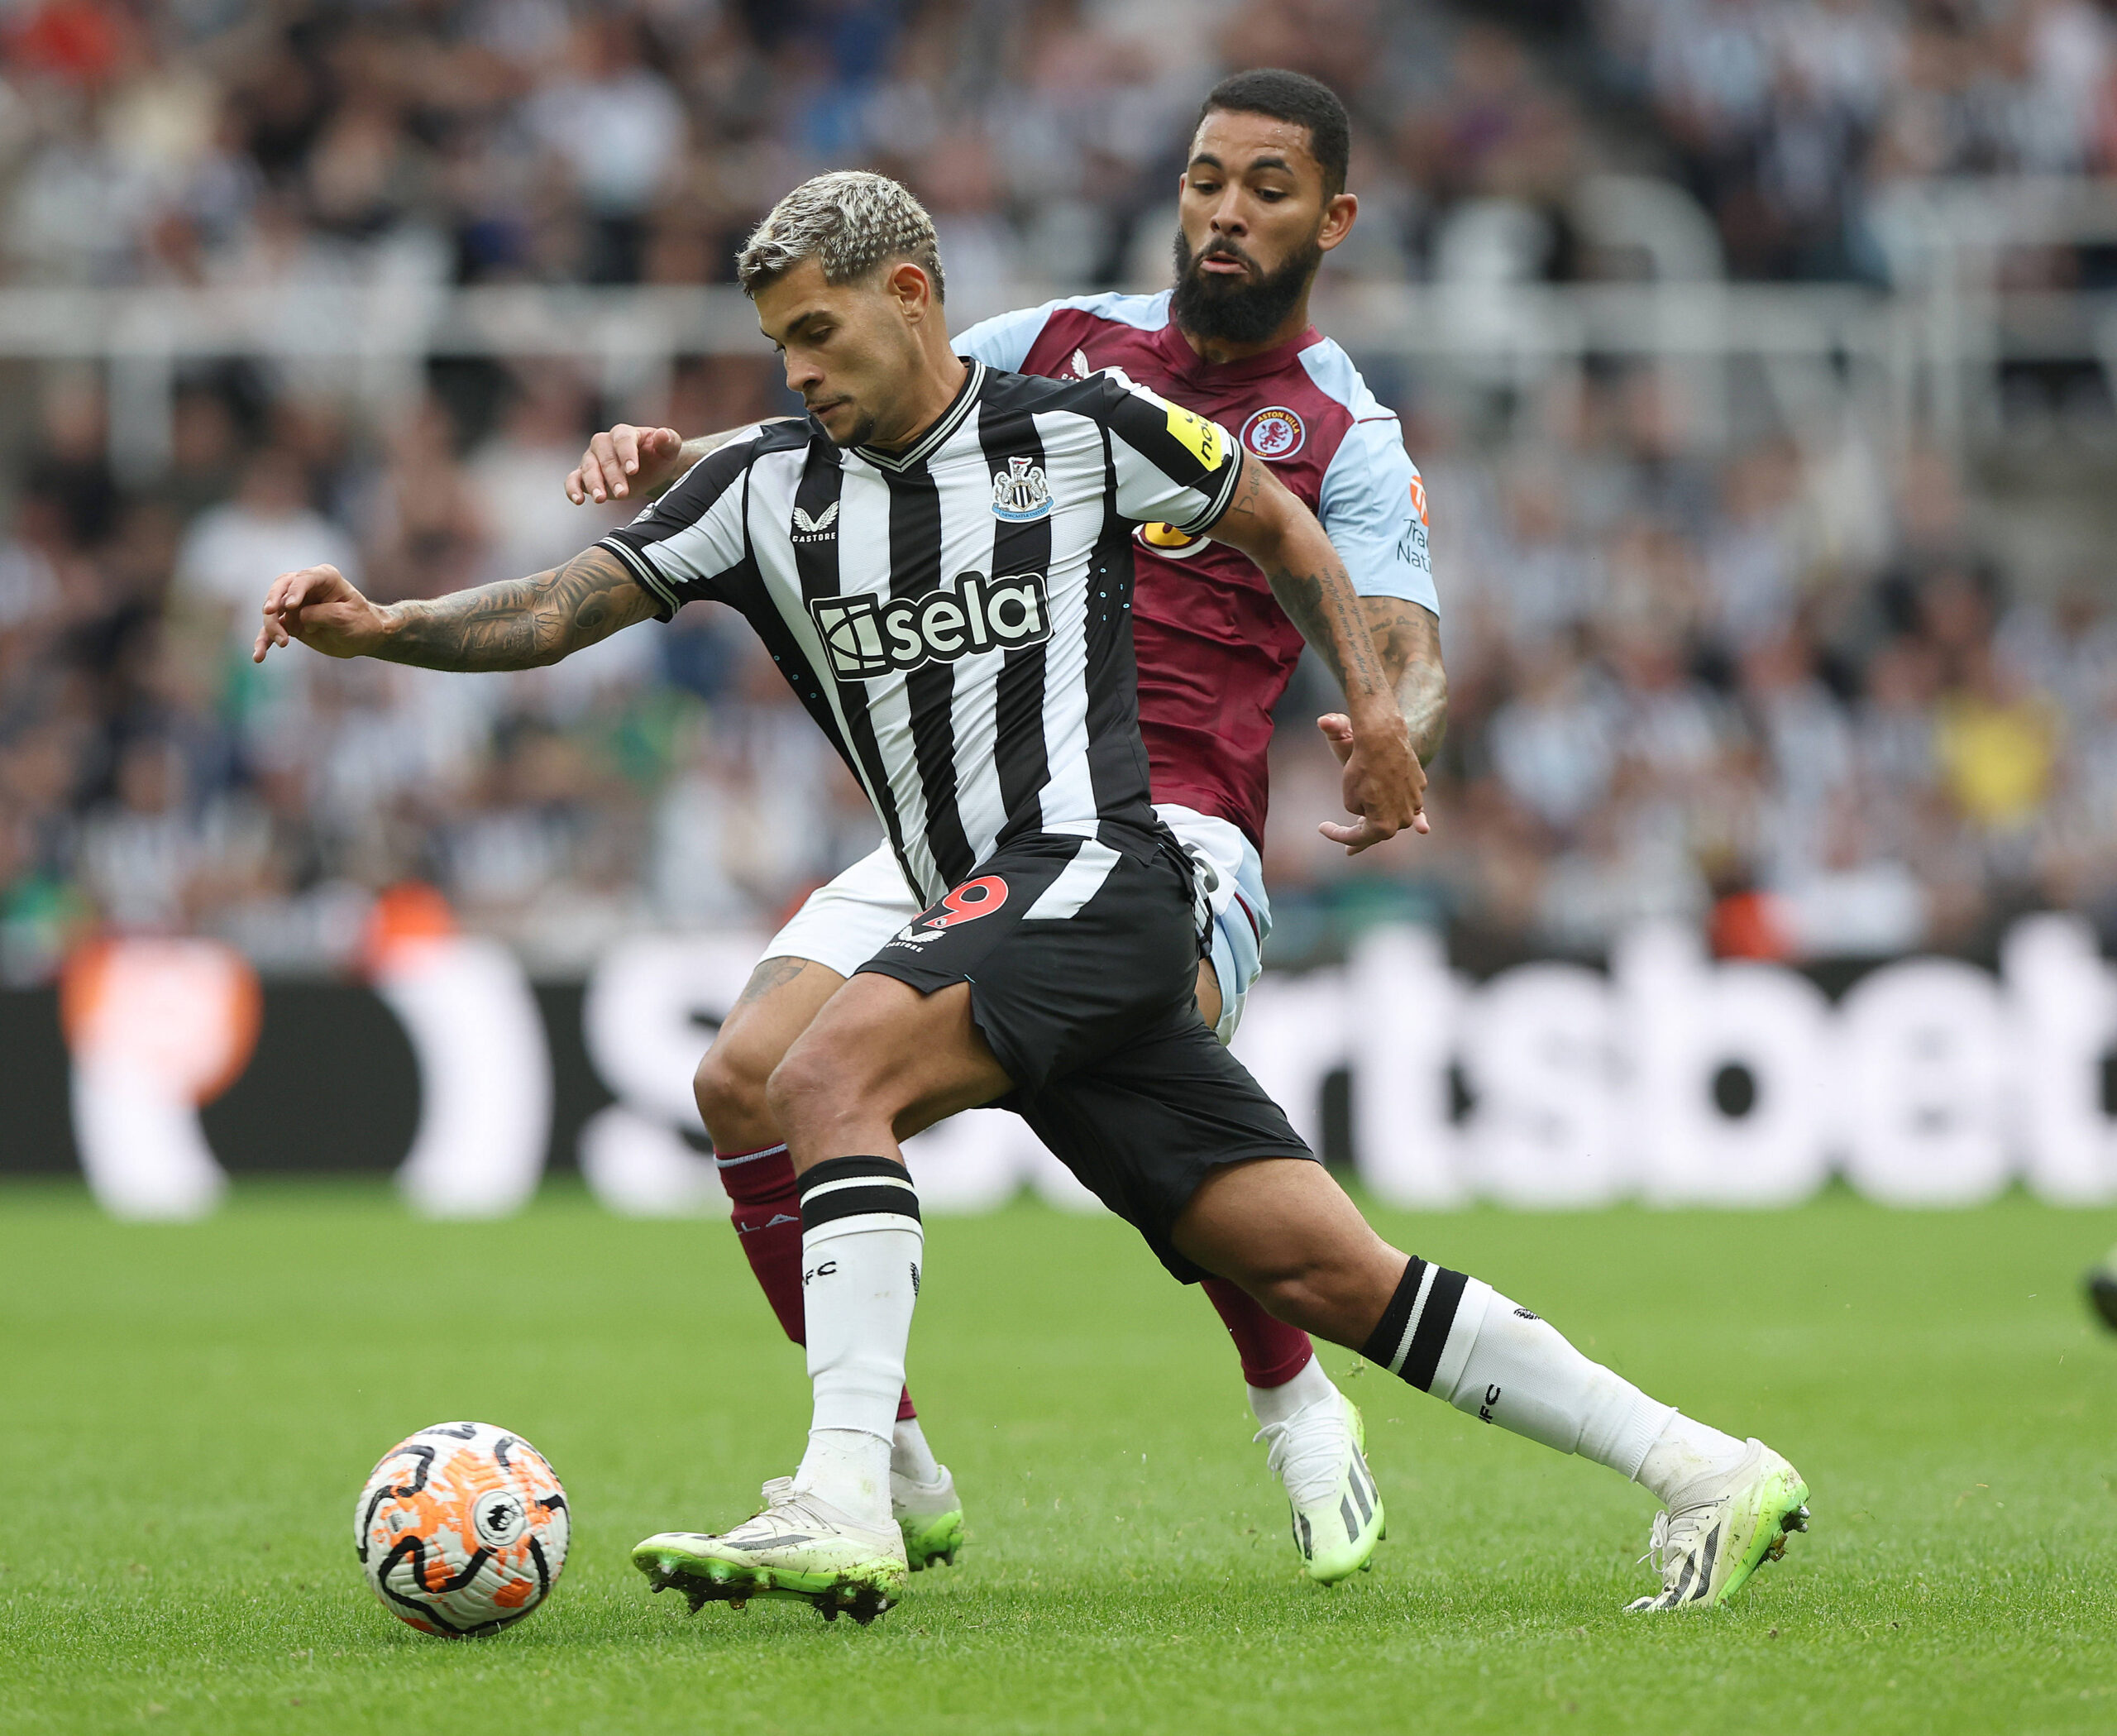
187	1412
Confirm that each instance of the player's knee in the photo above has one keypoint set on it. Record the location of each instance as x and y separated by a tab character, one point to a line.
809	1085
1318	1296
1290	1292
730	1085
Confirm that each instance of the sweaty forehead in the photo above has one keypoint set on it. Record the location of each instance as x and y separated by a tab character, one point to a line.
1237	140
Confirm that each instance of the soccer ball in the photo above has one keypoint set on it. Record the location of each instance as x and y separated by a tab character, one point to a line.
461	1529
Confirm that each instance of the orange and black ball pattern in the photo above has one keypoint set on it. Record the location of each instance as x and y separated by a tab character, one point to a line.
461	1529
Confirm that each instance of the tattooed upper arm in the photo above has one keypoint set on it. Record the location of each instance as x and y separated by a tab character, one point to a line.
520	624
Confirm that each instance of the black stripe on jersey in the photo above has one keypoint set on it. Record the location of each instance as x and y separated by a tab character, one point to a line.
930	693
816	562
1223	498
1118	772
1024	764
1147	425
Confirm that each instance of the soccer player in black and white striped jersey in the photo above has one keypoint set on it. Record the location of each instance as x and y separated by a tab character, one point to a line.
965	646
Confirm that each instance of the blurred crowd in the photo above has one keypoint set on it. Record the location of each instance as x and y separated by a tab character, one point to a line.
1786	693
1786	690
1792	120
203	141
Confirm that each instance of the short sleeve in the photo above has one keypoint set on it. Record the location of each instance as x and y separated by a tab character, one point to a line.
1372	508
680	548
1005	341
1174	467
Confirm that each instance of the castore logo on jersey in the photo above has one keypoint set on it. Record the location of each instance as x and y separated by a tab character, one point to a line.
821	528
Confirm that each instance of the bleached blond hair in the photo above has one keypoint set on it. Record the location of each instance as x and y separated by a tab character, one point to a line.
851	223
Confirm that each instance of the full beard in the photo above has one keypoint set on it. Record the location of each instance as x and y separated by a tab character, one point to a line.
1245	309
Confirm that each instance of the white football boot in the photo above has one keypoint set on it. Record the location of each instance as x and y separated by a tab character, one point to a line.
930	1517
1318	1455
1719	1528
799	1546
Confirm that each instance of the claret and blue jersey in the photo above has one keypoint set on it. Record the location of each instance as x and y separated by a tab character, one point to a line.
1215	657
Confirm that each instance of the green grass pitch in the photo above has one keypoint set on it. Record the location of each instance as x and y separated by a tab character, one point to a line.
187	1412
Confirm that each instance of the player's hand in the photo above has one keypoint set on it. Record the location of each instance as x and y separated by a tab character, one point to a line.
623	459
1367	773
319	606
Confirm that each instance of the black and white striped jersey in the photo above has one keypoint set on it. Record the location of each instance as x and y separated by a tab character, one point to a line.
956	616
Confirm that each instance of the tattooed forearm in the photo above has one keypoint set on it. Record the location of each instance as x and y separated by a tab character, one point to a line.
1270	526
519	623
1324	606
1408	639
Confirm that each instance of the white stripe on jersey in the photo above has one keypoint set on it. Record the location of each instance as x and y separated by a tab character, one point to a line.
1069	465
966	521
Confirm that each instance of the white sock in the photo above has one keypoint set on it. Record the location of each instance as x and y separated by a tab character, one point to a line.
1685	1450
1276	1403
850	1469
909	1456
1521	1374
860	1247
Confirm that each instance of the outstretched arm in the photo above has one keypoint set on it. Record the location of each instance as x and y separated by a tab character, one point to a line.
1383	782
519	623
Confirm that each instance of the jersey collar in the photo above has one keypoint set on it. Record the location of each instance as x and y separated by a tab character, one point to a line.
948	420
1176	350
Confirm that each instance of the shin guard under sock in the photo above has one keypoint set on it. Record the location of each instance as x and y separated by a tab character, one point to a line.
862	1244
1461	1340
767	1215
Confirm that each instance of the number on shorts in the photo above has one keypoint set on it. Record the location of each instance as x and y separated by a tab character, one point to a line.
972	899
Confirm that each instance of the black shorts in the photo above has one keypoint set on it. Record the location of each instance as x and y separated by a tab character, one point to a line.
1082	962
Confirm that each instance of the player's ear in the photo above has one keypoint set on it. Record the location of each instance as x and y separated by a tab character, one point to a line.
911	289
1339	215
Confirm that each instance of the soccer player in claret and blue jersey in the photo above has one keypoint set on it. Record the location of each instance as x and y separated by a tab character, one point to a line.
1263	198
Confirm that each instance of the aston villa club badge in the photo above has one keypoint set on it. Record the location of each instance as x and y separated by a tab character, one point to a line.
1275	432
